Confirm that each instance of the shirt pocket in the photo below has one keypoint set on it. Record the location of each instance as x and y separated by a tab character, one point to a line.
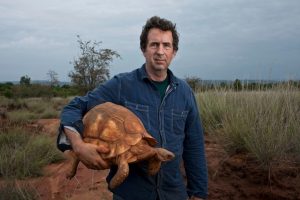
178	121
141	111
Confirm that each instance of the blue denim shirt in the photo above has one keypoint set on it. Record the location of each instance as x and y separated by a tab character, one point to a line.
174	122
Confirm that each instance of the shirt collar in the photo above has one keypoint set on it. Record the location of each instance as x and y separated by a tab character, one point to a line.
144	75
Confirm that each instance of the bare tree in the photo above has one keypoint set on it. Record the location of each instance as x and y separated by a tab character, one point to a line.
91	68
53	77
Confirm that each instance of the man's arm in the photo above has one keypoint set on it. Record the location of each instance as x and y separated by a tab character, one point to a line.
194	154
87	153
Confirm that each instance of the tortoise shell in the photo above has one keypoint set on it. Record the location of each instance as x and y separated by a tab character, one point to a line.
116	126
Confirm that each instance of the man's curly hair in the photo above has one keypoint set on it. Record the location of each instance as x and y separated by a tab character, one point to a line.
162	24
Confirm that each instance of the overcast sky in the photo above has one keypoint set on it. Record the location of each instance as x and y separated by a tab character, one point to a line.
222	40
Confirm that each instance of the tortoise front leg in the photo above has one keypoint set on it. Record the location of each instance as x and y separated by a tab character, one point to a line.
122	173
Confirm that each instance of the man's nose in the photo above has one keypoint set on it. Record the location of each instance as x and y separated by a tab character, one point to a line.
160	49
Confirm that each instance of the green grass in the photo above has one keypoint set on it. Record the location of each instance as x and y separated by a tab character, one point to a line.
263	123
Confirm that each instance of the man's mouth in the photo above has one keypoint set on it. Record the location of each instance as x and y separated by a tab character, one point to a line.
159	60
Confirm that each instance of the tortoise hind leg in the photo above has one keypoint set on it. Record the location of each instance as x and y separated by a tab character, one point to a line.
161	155
122	173
164	155
154	166
72	164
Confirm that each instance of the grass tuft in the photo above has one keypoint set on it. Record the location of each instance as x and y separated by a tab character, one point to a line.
23	154
12	191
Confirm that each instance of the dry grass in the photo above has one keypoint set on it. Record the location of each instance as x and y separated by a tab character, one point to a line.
12	191
23	154
264	123
20	110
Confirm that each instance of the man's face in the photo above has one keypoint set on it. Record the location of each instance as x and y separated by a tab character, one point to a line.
159	51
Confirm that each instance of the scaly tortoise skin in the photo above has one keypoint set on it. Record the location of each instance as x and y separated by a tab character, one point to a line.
128	141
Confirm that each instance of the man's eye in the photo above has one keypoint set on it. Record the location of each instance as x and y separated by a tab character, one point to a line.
167	45
154	45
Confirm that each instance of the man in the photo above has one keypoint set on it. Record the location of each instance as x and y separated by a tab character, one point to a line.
168	109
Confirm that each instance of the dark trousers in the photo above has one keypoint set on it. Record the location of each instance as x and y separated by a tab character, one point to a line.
115	197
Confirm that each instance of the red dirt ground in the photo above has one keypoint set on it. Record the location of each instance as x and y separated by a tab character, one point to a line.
234	177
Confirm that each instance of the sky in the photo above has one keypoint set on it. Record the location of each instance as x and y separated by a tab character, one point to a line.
219	40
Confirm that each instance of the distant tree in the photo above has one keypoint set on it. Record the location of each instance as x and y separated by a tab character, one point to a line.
53	77
25	80
194	82
223	85
9	84
92	66
237	85
253	86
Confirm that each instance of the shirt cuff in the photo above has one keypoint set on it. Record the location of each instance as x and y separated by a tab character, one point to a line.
63	138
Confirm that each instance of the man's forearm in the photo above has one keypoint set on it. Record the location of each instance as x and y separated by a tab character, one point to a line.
74	138
88	154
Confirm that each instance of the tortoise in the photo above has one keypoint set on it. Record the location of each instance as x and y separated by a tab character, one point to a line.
127	139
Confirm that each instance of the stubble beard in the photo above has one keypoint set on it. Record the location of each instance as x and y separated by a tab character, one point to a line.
157	70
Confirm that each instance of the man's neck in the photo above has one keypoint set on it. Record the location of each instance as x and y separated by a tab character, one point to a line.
158	75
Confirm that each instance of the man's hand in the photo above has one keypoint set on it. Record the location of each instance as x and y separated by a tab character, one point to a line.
88	154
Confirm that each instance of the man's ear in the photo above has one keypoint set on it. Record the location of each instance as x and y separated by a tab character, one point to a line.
174	53
143	51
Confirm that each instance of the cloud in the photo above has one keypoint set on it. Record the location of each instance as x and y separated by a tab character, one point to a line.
218	39
30	42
